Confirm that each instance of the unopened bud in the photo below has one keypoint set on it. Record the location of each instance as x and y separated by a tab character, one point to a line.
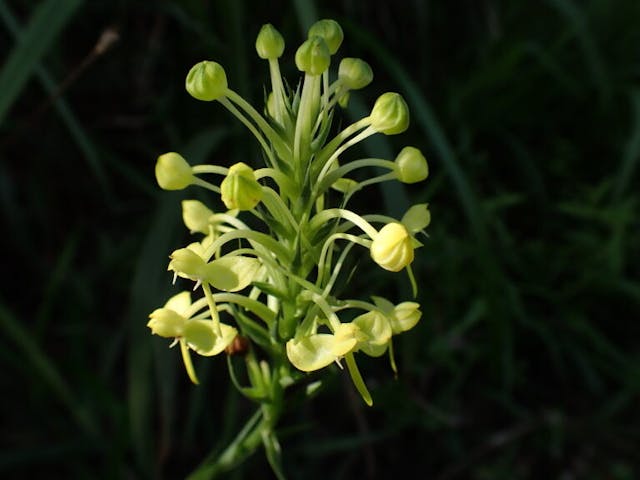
173	172
392	247
354	73
206	81
411	166
269	43
313	56
330	31
240	189
196	215
390	114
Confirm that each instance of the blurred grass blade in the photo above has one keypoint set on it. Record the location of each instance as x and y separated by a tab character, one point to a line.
580	28
48	19
82	140
45	368
632	150
307	14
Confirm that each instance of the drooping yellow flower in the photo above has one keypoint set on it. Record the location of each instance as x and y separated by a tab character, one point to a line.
392	247
202	336
316	351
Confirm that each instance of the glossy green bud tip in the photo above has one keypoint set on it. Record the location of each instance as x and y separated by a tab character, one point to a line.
173	172
355	73
390	114
313	57
411	166
206	81
269	44
330	31
240	189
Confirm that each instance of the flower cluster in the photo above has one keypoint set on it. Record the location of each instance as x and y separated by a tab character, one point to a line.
273	283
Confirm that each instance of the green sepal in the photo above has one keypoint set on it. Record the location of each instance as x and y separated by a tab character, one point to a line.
323	133
272	290
357	380
252	393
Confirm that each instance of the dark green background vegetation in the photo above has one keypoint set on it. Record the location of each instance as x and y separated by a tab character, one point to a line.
526	364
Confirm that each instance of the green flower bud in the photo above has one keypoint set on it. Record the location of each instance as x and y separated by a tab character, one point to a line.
240	189
330	31
390	114
313	56
354	73
269	43
405	316
392	247
173	172
411	166
196	215
206	81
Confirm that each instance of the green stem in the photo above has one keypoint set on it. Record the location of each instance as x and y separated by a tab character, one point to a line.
323	217
324	182
210	169
265	146
278	90
276	140
262	239
242	447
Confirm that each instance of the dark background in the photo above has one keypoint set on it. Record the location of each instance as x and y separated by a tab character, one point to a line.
526	362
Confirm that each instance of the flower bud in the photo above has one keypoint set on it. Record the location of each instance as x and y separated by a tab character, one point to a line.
354	73
313	56
269	43
390	114
411	166
196	215
240	189
206	81
173	172
392	247
330	31
405	316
